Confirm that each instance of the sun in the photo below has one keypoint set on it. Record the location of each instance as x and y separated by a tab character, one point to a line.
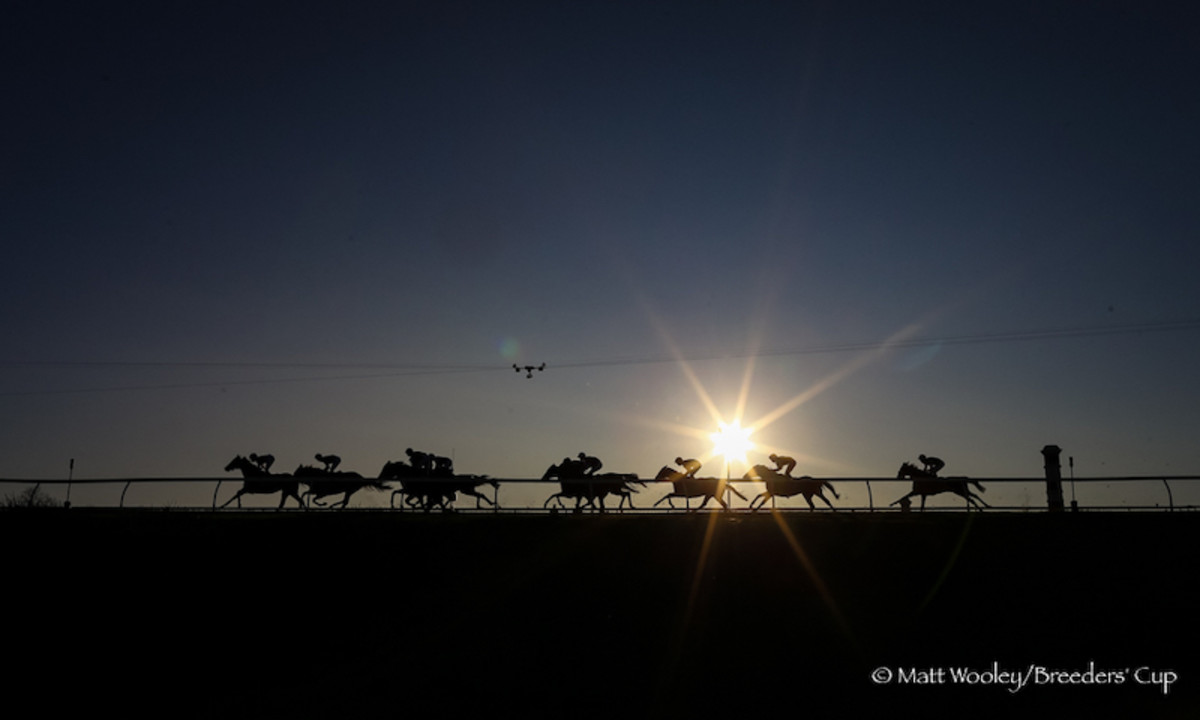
732	441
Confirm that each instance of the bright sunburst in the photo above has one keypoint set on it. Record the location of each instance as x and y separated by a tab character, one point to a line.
732	441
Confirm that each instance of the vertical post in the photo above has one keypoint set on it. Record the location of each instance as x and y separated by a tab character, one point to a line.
728	490
70	478
1054	492
1071	464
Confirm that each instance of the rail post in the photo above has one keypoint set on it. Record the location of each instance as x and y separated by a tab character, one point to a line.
1054	491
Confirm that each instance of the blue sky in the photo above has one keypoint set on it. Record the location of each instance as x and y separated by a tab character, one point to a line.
248	208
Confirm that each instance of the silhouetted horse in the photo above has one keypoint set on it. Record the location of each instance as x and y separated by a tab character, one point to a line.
261	482
575	482
416	487
926	484
323	483
595	488
690	487
427	491
469	485
784	486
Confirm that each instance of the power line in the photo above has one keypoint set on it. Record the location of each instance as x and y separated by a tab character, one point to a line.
976	339
228	383
420	369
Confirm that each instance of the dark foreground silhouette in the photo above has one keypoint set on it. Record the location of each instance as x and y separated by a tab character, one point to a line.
379	615
784	486
926	484
685	486
426	488
578	480
261	482
323	482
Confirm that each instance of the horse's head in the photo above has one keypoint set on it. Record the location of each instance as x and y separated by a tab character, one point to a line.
760	472
907	470
394	469
237	463
667	473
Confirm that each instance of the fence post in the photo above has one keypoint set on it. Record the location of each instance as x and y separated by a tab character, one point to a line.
1054	493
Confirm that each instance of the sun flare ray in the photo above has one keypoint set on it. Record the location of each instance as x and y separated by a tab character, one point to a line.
827	382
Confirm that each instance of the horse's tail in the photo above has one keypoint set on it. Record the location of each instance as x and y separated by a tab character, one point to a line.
976	484
832	490
734	490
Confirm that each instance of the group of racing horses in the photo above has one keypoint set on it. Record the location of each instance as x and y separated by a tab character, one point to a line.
426	485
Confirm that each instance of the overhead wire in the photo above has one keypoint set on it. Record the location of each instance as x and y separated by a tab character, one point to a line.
424	369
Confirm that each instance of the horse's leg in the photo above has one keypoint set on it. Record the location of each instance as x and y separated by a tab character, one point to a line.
237	496
822	496
808	499
479	497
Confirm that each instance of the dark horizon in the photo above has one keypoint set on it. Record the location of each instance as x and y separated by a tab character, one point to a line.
686	616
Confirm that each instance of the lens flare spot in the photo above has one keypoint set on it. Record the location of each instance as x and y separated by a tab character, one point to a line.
510	349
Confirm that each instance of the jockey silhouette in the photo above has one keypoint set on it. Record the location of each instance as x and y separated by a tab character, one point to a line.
782	461
419	460
442	465
331	461
932	464
692	466
264	462
591	465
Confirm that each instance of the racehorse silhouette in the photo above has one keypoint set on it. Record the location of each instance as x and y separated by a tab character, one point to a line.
779	485
420	489
416	487
261	482
323	483
926	484
684	486
576	482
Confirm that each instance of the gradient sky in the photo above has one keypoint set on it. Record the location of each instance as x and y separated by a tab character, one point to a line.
314	227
